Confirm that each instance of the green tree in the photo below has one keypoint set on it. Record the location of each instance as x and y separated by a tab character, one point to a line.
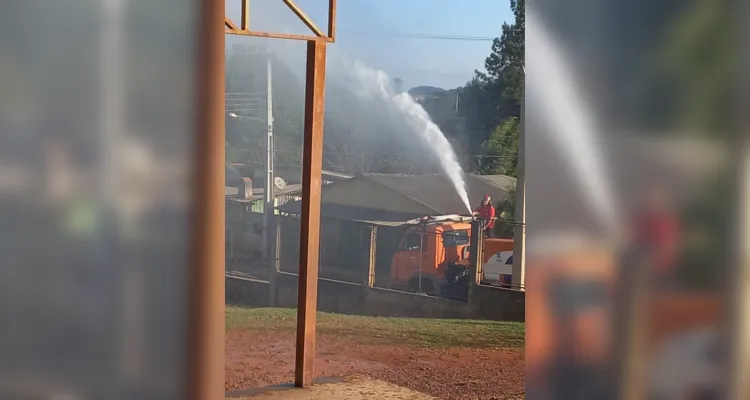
491	102
674	72
477	112
506	211
696	60
501	149
504	65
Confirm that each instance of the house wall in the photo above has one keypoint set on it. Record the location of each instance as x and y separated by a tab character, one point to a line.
343	247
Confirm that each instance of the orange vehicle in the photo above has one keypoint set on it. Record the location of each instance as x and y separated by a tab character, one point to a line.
433	257
424	252
573	323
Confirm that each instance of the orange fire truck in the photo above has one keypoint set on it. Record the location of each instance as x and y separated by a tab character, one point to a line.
433	257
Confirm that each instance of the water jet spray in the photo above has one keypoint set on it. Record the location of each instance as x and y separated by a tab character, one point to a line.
377	84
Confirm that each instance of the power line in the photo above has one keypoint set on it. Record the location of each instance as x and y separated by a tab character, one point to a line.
429	36
335	153
441	37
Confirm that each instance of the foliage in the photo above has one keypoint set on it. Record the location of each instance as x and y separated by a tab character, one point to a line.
708	235
501	149
506	210
696	60
492	100
674	72
505	63
484	113
478	112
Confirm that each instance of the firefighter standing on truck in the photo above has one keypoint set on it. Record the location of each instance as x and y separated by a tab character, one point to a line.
486	212
656	235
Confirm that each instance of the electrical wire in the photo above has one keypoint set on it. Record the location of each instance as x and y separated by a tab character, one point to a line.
442	37
429	36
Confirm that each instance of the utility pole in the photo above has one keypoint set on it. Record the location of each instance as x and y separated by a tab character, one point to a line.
737	385
519	233
130	275
738	279
268	203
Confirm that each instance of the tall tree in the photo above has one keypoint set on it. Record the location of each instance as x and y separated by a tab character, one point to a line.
504	65
506	211
697	60
494	98
501	149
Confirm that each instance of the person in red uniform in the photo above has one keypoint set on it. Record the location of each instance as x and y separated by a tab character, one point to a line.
487	212
656	234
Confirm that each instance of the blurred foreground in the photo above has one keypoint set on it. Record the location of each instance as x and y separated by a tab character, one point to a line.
632	187
96	126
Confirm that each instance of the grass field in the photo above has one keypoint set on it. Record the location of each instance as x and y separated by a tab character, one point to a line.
380	330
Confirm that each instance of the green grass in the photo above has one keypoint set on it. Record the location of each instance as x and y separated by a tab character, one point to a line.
369	330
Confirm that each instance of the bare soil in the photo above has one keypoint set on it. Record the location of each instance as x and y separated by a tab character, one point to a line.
256	358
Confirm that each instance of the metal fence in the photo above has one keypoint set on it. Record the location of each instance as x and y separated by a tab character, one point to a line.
420	259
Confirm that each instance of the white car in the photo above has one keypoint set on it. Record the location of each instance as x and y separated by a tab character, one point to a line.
499	268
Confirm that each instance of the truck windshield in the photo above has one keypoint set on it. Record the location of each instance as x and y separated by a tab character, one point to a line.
413	242
456	238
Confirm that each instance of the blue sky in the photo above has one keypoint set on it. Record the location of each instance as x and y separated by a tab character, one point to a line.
444	63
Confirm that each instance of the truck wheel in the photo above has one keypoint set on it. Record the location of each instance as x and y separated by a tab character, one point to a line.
458	290
451	274
427	286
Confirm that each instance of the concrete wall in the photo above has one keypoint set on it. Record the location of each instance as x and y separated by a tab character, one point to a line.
497	304
486	303
333	296
391	303
247	292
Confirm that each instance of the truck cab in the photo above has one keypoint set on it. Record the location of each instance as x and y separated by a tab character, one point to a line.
424	252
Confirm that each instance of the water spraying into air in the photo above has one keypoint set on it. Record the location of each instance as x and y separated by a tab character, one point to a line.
377	84
550	83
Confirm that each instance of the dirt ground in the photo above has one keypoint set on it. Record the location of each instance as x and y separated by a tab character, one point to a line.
256	359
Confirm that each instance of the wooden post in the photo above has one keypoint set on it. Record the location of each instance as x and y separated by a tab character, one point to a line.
231	250
245	24
631	334
369	278
476	255
309	252
737	293
205	297
332	19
